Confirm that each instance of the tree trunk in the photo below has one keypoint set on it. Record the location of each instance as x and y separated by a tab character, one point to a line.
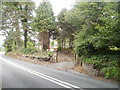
71	42
17	45
24	21
25	38
62	44
45	40
70	45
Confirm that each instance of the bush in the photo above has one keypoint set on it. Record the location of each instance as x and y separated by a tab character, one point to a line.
105	63
111	72
28	50
50	54
59	48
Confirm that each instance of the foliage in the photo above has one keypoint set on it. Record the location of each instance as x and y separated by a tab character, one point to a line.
30	49
16	21
65	27
13	41
101	34
107	64
98	33
44	19
111	72
44	23
50	54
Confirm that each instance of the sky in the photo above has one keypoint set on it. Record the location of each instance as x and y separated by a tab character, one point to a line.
57	6
1	39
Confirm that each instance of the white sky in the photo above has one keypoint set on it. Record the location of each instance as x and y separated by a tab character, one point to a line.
57	6
1	39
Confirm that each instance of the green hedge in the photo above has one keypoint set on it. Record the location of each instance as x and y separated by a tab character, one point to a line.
107	64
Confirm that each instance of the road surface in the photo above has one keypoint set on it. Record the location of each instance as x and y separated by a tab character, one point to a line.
21	74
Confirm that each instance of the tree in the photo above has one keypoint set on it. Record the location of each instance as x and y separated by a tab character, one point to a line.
108	34
65	28
17	16
26	9
88	19
98	37
10	25
61	26
44	23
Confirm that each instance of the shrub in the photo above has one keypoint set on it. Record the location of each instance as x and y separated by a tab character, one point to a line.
28	50
111	72
106	63
59	48
50	54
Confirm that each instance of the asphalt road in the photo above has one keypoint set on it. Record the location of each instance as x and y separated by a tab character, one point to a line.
21	74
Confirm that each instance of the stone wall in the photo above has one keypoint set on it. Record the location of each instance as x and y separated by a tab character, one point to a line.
88	68
40	58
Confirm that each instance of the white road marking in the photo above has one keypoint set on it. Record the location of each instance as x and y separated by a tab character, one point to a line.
49	78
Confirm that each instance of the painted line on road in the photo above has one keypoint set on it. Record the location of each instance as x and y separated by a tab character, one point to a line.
49	78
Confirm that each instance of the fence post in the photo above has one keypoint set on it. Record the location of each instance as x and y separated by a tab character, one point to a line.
56	56
75	56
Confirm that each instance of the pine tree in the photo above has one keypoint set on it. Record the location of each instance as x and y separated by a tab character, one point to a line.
44	23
